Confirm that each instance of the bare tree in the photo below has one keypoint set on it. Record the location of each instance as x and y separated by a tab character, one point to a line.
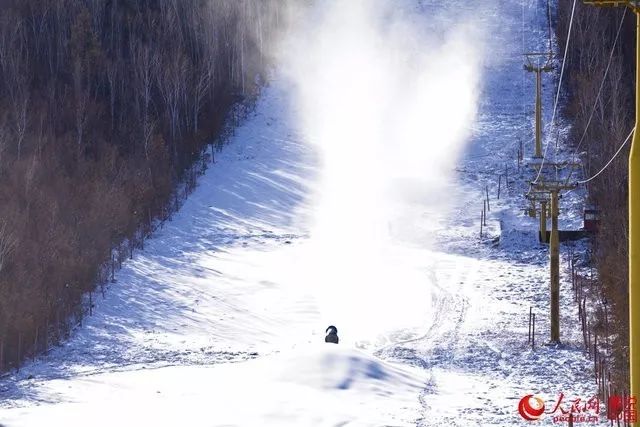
7	243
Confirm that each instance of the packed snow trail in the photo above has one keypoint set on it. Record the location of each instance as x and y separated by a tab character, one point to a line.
337	202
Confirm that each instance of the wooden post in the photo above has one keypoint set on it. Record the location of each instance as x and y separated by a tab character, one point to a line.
19	352
499	185
481	221
595	356
113	268
530	313
35	342
533	332
584	322
485	213
506	176
606	323
488	205
46	333
580	313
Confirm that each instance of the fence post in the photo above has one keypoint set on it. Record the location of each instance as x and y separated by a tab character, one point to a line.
533	332
19	353
595	356
530	313
35	343
584	322
113	269
506	176
488	203
485	213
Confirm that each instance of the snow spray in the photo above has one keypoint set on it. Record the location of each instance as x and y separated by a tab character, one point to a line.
386	96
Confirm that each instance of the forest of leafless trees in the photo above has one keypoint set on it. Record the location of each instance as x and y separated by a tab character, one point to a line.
592	41
105	106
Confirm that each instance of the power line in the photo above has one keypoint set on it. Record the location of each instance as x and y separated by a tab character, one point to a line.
555	105
610	161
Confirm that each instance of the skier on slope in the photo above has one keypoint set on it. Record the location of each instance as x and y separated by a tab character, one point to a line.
332	335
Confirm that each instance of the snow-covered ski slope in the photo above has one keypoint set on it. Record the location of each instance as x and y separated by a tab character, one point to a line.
350	196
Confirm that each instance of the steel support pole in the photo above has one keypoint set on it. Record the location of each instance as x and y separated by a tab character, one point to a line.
555	269
634	237
538	153
543	222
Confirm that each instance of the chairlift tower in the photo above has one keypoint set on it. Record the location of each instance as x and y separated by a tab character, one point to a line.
533	66
634	214
542	197
553	189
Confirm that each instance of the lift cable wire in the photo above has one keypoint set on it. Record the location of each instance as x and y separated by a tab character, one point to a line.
549	23
612	159
524	85
555	105
595	104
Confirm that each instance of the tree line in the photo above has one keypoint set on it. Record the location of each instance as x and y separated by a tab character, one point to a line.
105	105
592	39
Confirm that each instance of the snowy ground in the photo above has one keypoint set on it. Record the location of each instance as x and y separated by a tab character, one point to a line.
218	321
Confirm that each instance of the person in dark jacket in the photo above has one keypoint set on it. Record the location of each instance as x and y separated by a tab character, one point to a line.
332	335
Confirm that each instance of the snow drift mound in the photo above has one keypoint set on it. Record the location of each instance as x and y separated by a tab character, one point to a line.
331	367
314	386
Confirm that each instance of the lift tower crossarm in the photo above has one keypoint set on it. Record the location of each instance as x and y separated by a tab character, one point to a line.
549	186
634	215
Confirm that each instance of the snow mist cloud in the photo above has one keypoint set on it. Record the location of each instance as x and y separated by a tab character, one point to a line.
386	94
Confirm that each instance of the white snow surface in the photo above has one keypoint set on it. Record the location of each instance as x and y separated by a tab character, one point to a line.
220	320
